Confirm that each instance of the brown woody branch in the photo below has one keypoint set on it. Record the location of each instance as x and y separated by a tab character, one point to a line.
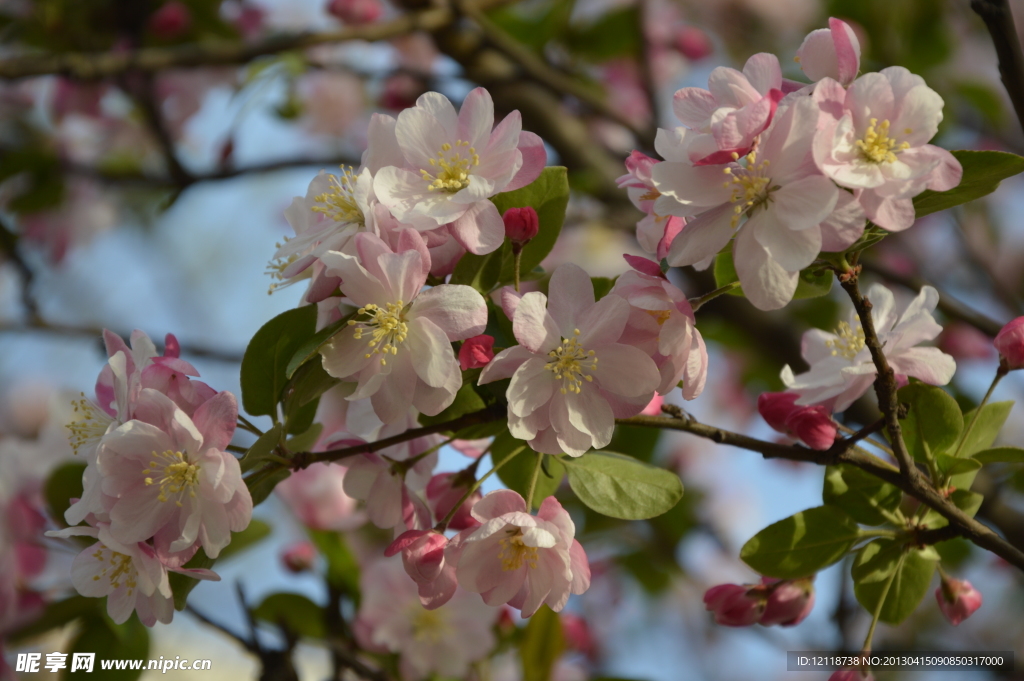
98	65
999	21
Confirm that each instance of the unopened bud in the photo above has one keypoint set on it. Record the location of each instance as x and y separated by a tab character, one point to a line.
789	601
735	605
1010	344
476	352
521	225
171	20
356	12
957	599
299	557
693	43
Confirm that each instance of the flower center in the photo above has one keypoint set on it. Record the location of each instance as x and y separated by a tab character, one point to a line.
428	626
452	168
339	204
277	267
848	341
89	426
175	474
386	327
514	553
876	146
660	316
749	185
568	362
120	569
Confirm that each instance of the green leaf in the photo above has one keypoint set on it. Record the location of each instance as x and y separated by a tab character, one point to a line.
99	635
294	612
983	171
307	385
934	422
623	487
543	643
1001	455
549	196
55	615
482	272
182	585
262	448
342	566
265	362
517	473
802	544
635	441
866	498
311	347
256	532
614	34
951	466
63	485
875	564
967	501
305	441
812	283
986	428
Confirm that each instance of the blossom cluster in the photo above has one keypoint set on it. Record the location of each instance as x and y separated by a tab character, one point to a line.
159	483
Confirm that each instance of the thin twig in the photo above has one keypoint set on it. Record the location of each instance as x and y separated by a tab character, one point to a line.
220	627
9	247
999	21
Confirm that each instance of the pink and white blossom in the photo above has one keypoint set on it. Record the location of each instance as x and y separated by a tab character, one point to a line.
841	369
171	479
832	52
453	163
873	138
316	495
661	323
571	377
398	350
423	556
445	490
518	558
442	642
654	232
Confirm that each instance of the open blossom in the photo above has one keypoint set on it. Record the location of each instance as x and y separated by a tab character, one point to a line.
654	232
130	575
398	349
832	52
170	478
782	206
453	164
661	322
736	107
522	559
571	377
841	367
873	138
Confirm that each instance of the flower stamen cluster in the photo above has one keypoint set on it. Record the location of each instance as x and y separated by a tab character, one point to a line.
748	186
121	567
454	175
179	475
388	326
848	342
876	146
569	361
514	553
340	203
89	426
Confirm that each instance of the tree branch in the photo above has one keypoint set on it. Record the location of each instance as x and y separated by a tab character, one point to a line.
999	21
98	65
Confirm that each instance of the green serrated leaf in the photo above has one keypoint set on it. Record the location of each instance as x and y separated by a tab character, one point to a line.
543	643
867	499
265	362
911	572
802	544
934	422
294	612
622	487
261	484
305	441
311	347
983	171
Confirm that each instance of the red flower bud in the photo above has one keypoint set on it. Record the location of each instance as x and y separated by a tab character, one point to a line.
299	557
171	20
1010	343
957	599
811	424
356	12
521	224
693	43
789	601
476	352
735	605
775	408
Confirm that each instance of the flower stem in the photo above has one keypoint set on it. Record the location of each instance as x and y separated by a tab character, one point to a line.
533	482
517	256
443	525
1000	372
696	303
246	425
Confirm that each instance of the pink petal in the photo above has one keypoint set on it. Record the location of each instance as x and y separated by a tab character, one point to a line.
459	311
534	326
535	157
480	229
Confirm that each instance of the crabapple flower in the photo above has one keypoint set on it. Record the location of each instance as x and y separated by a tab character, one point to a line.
571	377
873	138
832	52
476	352
398	350
654	232
735	605
811	424
130	575
661	322
453	164
777	199
957	599
1010	344
316	495
693	43
521	559
789	601
521	225
171	20
736	107
440	643
841	366
423	556
171	479
447	489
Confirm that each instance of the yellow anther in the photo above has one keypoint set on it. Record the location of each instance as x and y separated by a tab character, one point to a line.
121	569
514	553
569	361
848	341
339	203
454	168
175	474
386	327
876	146
89	425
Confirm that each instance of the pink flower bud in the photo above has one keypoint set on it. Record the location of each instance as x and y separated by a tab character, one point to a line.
356	12
963	341
693	43
851	675
775	408
444	491
1010	343
577	634
299	557
171	20
813	426
789	601
476	352
735	605
422	553
521	224
957	599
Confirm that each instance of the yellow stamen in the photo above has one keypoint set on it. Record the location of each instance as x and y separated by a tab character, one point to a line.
514	553
339	204
454	173
89	425
876	146
121	568
387	328
849	342
568	362
749	185
175	474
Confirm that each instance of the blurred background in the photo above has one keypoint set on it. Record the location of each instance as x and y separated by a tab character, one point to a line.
152	198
